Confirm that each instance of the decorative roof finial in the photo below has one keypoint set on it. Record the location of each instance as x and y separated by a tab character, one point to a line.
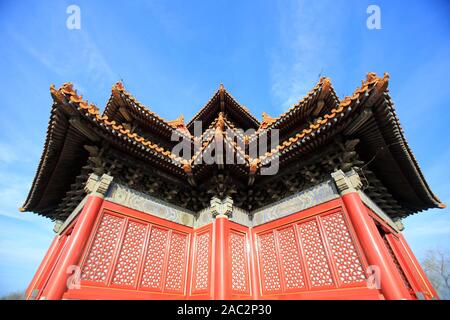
178	122
266	120
220	122
371	76
118	85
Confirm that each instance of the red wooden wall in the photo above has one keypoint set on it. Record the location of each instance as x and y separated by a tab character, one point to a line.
134	255
411	272
313	254
202	252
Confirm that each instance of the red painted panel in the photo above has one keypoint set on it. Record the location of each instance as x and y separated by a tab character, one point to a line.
313	250
268	263
155	258
134	251
239	263
175	277
202	257
237	248
97	266
414	270
313	254
130	254
293	269
409	268
344	254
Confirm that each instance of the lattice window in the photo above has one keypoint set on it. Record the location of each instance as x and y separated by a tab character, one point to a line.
201	273
315	254
269	263
154	259
396	263
290	259
176	263
239	269
130	254
101	253
346	258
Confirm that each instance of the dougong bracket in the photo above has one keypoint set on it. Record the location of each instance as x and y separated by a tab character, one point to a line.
347	182
98	185
222	207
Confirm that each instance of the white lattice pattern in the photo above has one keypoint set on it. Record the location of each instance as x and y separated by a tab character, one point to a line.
397	264
315	255
102	250
290	259
239	272
201	272
176	263
269	263
130	254
154	259
344	253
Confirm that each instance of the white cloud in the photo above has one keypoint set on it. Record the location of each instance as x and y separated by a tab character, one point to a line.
88	59
306	50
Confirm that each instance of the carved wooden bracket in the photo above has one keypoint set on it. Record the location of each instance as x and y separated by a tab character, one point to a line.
222	207
347	182
98	185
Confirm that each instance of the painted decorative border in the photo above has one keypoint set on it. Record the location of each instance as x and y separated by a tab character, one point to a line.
308	198
311	197
136	200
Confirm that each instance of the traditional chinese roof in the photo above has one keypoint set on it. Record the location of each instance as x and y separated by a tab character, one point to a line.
123	107
222	101
319	120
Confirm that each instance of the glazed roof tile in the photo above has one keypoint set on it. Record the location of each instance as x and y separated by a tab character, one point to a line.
67	94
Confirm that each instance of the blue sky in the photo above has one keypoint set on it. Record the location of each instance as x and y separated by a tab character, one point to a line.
173	56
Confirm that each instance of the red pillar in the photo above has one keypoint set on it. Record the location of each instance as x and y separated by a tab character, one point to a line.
44	265
57	284
221	259
253	267
392	286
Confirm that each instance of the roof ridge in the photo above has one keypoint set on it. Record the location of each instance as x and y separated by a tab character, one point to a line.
118	89
323	81
241	106
93	111
371	79
203	108
218	93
